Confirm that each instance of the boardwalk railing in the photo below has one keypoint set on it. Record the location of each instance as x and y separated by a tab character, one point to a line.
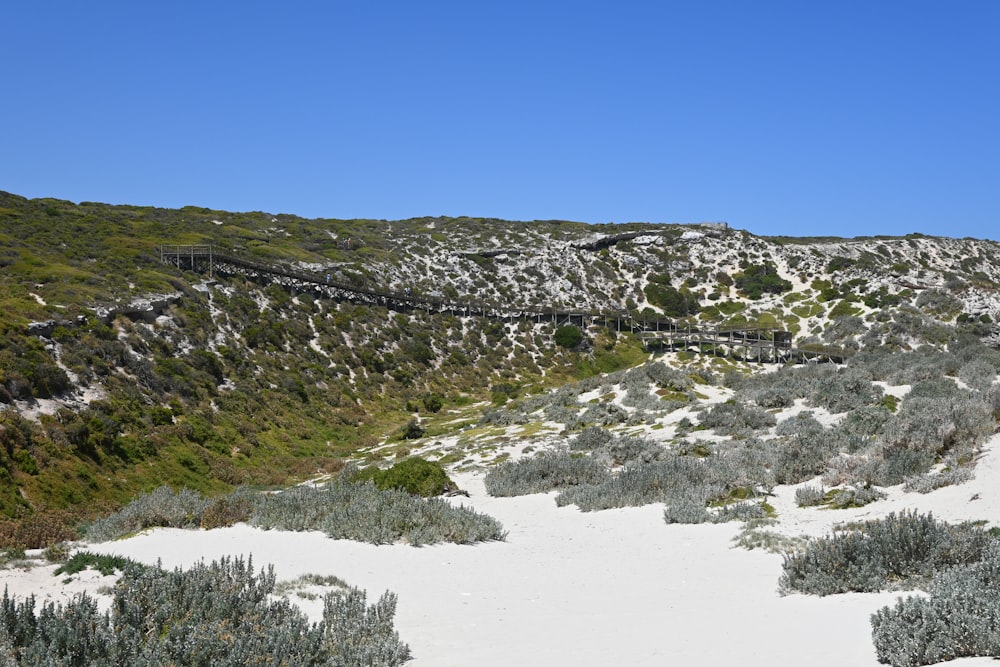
207	259
751	343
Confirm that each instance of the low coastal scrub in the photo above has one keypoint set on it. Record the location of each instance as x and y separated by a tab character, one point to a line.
105	564
674	479
363	512
166	508
341	508
901	550
651	390
737	419
811	496
218	614
616	450
604	471
936	480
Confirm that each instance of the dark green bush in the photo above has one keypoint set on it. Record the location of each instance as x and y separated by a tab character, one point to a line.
756	280
413	430
839	263
673	302
413	475
433	402
568	336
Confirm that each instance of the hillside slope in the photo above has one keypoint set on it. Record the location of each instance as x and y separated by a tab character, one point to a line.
119	373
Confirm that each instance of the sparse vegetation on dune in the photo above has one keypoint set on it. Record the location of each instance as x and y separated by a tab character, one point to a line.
957	565
929	438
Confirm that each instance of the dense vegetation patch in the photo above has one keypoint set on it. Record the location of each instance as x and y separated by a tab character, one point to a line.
540	474
672	301
755	280
958	565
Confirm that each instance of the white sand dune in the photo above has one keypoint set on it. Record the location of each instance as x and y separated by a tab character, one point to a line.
573	588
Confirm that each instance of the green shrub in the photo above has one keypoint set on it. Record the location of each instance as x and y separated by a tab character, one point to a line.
839	263
673	302
413	475
105	564
413	430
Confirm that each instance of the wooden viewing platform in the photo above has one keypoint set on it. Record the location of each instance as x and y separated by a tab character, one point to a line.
750	344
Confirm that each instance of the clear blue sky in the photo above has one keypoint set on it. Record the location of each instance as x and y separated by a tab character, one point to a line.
798	117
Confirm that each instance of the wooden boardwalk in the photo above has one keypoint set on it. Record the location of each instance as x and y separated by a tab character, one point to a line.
749	344
207	259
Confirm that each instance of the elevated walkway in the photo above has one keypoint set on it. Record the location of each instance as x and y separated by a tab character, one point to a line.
759	344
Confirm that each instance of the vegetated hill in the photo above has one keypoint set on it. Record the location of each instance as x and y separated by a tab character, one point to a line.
119	373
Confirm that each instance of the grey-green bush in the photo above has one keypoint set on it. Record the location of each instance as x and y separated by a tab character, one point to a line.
736	418
810	496
591	438
845	390
362	512
927	428
960	618
668	378
543	473
340	508
936	480
675	477
803	448
898	551
163	507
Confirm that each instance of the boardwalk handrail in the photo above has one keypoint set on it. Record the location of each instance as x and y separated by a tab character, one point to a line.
210	258
174	254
